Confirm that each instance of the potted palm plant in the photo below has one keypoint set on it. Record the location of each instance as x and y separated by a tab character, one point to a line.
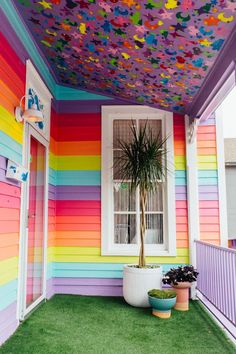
142	162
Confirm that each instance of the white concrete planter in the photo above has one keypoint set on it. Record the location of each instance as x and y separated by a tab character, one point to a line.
138	281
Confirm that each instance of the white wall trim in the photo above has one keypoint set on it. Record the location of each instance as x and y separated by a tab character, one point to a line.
221	178
109	113
192	196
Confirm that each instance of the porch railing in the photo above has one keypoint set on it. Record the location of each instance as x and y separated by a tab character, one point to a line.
217	281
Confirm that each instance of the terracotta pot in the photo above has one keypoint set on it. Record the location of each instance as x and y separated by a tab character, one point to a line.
182	291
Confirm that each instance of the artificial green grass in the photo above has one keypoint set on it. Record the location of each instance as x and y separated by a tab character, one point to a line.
107	325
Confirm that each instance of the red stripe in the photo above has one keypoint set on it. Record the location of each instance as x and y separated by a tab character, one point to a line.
12	58
78	204
85	133
79	119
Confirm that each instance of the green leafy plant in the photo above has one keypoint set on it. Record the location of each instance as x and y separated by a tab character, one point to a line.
162	294
142	162
180	274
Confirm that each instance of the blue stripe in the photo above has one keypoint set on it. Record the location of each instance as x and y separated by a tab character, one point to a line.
71	94
94	270
8	294
9	148
78	178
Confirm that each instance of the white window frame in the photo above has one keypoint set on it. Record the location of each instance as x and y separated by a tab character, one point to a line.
109	114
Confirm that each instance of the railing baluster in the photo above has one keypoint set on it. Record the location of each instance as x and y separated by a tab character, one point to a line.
217	277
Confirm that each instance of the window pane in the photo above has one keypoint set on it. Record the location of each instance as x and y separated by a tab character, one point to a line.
152	125
125	229
121	131
124	200
154	229
154	199
116	165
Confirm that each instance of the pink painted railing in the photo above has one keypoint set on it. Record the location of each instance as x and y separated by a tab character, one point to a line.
217	278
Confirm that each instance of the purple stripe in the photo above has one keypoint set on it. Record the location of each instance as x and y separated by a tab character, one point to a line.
208	196
181	197
78	193
50	288
90	290
87	282
3	162
8	331
209	121
8	322
208	189
78	189
51	188
12	38
180	189
86	106
8	312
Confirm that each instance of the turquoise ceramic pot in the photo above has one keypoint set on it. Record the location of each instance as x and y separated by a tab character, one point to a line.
161	307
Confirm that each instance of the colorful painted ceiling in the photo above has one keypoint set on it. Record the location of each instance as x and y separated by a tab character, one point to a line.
151	52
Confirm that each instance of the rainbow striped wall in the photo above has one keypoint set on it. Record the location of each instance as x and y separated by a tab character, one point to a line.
12	87
77	264
208	182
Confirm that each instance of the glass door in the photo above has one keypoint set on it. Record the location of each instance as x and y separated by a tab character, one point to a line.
35	256
34	240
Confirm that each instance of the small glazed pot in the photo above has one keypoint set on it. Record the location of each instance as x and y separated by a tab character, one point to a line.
182	291
161	307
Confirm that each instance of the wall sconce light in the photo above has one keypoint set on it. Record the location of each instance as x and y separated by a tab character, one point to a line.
32	114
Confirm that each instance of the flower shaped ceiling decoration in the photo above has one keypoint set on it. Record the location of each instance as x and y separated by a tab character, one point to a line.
153	52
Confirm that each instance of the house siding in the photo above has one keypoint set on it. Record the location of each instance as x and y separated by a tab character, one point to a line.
12	88
208	182
78	266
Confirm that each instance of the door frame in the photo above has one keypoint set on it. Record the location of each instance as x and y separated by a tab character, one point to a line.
23	254
33	80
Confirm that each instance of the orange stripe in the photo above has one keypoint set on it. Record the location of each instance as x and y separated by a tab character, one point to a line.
10	78
8	252
78	220
9	214
78	242
204	137
53	146
79	148
182	236
78	234
206	129
78	227
206	151
182	243
206	144
9	239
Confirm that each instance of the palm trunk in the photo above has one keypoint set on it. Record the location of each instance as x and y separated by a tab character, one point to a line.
143	198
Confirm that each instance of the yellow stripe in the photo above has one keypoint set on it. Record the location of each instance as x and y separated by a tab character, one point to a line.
10	127
52	161
207	166
79	163
207	158
92	255
8	270
180	163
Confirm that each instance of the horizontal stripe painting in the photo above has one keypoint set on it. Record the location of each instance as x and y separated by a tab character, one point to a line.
76	262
